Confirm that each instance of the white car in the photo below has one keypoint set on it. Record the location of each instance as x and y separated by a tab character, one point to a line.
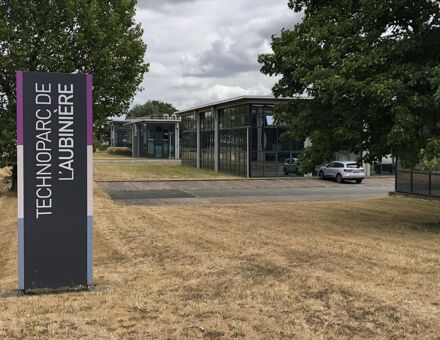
342	171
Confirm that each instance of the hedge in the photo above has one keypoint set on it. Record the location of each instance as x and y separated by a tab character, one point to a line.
119	151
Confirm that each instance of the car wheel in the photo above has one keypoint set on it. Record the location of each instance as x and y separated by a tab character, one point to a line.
359	180
286	172
339	178
321	175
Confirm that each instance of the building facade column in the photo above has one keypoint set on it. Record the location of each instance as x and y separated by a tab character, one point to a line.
248	152
135	140
112	135
367	167
216	138
177	141
197	115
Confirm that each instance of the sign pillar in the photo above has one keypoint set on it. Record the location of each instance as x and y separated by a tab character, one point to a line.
55	180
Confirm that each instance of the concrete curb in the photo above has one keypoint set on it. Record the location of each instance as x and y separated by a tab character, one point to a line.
213	179
225	179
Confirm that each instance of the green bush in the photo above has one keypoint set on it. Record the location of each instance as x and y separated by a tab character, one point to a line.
98	145
430	156
113	150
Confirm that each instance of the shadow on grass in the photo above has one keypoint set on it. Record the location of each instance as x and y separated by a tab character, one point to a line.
53	291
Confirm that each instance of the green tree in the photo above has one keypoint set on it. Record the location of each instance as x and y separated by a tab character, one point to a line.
372	68
71	36
429	158
151	108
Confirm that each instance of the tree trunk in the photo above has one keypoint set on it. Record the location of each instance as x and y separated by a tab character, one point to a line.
14	178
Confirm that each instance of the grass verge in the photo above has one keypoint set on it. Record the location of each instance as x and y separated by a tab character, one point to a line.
106	155
291	270
5	181
149	171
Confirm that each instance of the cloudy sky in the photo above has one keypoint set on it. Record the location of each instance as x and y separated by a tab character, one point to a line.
206	50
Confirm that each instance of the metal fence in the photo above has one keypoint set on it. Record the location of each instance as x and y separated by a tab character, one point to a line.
418	182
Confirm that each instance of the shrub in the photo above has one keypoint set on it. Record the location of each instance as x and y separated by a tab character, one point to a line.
119	151
99	145
430	156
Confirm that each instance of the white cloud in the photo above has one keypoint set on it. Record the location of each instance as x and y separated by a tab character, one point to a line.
221	92
159	70
160	4
207	50
220	60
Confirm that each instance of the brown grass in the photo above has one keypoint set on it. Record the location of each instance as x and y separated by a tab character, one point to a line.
151	171
105	155
5	182
293	270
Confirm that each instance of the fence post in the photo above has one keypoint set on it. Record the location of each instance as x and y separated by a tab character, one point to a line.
412	180
430	183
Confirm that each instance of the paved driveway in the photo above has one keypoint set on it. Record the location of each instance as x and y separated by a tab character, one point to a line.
243	191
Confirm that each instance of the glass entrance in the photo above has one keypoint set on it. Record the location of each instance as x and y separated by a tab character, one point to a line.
158	141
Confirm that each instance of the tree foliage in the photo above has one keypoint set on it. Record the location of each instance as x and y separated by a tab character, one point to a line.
151	108
429	158
372	68
71	36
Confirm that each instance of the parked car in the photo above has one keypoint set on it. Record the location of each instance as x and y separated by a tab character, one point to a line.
291	165
342	171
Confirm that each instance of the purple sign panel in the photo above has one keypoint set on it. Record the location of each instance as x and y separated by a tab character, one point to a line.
54	158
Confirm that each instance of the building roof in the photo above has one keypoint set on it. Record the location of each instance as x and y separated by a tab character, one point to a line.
151	119
258	99
118	121
155	119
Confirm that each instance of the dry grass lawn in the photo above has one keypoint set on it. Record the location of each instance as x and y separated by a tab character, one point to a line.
292	270
106	155
5	183
151	171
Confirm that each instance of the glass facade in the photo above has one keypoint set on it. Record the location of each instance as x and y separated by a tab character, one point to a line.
387	166
206	140
121	135
234	117
157	141
272	154
188	140
233	140
249	142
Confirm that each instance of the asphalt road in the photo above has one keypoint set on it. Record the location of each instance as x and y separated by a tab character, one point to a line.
243	191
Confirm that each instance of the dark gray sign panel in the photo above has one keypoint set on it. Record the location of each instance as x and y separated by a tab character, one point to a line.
54	158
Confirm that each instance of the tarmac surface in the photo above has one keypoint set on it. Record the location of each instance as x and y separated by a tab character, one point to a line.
243	191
